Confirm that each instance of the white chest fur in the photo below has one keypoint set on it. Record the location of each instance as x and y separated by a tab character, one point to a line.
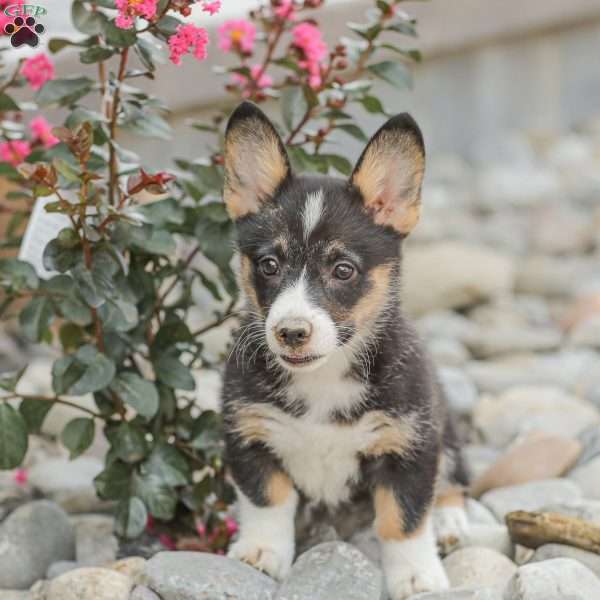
322	457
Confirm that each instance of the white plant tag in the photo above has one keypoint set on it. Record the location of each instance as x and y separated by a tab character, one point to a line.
42	227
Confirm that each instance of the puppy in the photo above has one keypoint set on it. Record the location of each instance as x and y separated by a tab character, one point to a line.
328	392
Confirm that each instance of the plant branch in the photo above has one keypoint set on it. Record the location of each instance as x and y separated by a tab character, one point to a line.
112	161
55	400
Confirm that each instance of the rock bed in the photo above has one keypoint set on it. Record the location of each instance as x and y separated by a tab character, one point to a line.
502	279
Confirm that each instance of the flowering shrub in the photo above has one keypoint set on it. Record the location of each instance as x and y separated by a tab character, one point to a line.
118	300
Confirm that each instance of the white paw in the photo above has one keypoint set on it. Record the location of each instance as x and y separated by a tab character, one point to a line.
273	559
408	579
450	524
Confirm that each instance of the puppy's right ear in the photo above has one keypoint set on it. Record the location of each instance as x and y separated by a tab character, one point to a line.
256	162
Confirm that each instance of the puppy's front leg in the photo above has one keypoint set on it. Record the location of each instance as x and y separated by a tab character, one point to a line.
404	526
266	539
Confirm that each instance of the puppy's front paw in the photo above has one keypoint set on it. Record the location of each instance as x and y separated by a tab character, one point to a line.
451	526
404	582
273	560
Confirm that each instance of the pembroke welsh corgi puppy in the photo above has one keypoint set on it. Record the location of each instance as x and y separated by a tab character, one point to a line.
328	393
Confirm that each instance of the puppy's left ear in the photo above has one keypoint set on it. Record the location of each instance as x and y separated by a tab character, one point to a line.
256	162
389	174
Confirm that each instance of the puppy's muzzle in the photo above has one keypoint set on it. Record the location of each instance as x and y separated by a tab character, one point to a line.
293	333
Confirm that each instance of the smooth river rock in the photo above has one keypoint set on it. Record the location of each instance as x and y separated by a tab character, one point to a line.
202	576
31	539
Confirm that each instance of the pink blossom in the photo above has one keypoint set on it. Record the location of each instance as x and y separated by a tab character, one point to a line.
212	7
41	131
188	38
231	526
15	151
20	476
167	541
130	9
260	80
286	10
150	524
308	38
237	35
37	70
200	528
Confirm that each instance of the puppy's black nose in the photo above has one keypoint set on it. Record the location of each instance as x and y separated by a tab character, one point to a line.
293	333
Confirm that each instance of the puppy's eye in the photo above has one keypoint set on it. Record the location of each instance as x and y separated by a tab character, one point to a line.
269	266
343	271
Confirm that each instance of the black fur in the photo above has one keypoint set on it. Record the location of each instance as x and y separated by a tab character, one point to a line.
399	375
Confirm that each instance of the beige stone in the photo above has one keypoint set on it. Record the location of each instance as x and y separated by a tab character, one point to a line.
538	456
96	583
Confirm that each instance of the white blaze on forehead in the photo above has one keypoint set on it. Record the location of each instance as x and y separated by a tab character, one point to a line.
313	210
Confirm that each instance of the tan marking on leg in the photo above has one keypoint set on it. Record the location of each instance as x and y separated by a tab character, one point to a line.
279	488
451	496
370	306
392	435
389	518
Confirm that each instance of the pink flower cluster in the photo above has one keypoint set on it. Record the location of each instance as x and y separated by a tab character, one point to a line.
37	70
308	39
130	9
15	152
41	132
260	80
212	7
188	38
238	35
286	10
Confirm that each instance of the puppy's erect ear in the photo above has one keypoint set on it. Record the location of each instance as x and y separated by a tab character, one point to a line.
256	162
390	171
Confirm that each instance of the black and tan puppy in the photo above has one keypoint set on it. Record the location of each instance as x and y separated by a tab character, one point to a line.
328	391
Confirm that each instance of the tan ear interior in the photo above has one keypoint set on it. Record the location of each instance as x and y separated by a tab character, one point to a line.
255	166
389	177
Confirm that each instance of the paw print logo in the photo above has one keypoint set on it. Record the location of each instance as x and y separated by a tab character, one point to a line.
24	31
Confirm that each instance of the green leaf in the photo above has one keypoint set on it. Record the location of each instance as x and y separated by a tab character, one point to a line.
159	497
13	437
339	163
114	482
130	443
293	106
139	393
95	54
78	436
414	55
35	318
98	372
64	91
65	372
9	381
18	274
57	44
372	105
393	72
131	518
168	464
86	21
34	412
115	36
173	373
7	103
354	130
58	257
